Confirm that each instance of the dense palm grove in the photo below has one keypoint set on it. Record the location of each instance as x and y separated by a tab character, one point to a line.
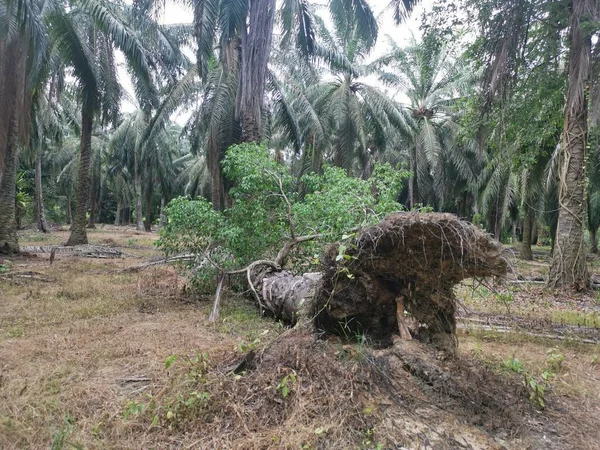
494	110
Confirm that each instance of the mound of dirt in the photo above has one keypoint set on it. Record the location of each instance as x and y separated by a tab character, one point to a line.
303	392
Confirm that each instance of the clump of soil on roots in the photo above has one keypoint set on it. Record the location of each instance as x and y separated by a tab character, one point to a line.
412	257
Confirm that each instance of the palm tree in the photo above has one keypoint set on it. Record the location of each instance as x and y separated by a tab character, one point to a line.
145	163
433	80
569	267
85	38
22	45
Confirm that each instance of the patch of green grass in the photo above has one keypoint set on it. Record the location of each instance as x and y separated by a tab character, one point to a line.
516	338
241	318
581	319
10	330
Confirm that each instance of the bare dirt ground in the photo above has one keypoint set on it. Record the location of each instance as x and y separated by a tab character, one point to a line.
94	356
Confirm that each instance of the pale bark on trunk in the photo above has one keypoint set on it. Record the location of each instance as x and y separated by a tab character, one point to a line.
42	225
569	268
163	216
525	251
78	231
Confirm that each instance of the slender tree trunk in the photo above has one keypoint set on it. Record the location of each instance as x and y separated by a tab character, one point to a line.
513	232
138	195
78	232
39	196
216	177
411	179
69	218
8	190
569	268
118	214
163	216
594	241
525	251
256	48
148	197
148	219
93	189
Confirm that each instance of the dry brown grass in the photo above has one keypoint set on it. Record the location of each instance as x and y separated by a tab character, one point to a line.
67	347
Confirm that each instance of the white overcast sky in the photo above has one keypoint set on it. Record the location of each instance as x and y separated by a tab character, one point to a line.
175	12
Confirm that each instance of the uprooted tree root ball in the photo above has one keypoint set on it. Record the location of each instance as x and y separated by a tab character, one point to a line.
408	262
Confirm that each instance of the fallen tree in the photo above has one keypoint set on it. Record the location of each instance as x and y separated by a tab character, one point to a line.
385	264
399	271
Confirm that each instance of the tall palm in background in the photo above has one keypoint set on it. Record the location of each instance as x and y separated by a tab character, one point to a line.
433	79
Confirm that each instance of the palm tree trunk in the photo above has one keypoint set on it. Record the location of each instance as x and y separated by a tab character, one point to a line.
148	197
78	233
93	189
569	268
413	175
42	225
513	232
118	214
69	215
8	190
163	216
256	48
525	251
13	124
138	194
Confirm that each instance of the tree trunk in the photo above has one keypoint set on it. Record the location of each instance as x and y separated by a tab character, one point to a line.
163	216
39	196
525	251
69	215
93	190
13	127
216	177
148	198
78	232
513	232
118	214
411	179
569	268
8	190
593	241
138	196
256	48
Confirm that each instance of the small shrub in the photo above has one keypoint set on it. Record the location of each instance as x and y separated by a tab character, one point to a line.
285	385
